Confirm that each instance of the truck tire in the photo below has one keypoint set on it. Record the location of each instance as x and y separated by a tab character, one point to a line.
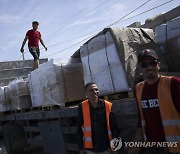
10	141
9	147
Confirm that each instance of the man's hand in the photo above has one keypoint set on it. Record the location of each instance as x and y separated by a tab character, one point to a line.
22	50
45	48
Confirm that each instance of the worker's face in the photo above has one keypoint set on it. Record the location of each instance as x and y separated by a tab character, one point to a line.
92	93
35	26
149	67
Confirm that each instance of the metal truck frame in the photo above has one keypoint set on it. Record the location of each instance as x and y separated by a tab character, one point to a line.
53	129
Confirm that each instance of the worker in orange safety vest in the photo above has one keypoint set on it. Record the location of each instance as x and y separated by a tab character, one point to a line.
96	123
158	99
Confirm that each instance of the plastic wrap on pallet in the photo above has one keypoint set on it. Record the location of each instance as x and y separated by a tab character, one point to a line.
161	39
173	32
5	104
173	28
54	83
35	91
161	34
44	87
110	58
168	38
102	65
19	94
2	96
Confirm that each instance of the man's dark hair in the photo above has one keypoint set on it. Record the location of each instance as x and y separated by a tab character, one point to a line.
35	22
88	84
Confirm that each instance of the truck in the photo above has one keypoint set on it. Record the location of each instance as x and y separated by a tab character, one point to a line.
108	59
52	128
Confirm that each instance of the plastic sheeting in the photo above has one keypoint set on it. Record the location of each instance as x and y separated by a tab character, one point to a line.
167	31
5	104
54	83
161	33
110	58
168	37
102	65
173	28
19	94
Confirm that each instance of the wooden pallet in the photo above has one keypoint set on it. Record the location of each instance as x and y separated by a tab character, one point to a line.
8	112
40	108
16	111
22	110
73	103
122	95
46	108
51	107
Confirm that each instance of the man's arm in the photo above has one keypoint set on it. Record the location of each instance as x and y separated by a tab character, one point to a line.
113	125
43	44
79	133
23	44
139	133
114	128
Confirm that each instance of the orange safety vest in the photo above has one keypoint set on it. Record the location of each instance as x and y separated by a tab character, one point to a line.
87	133
170	116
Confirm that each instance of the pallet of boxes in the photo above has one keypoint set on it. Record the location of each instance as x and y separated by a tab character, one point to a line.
168	37
15	97
5	104
55	84
110	60
52	85
29	104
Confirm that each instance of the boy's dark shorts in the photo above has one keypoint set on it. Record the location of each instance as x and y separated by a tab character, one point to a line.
35	52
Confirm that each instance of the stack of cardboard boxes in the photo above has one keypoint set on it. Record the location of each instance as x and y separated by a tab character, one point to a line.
168	37
54	83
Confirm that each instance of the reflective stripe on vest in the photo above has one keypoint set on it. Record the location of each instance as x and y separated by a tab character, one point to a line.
88	139
170	116
109	132
173	138
171	122
145	138
87	123
86	129
143	123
